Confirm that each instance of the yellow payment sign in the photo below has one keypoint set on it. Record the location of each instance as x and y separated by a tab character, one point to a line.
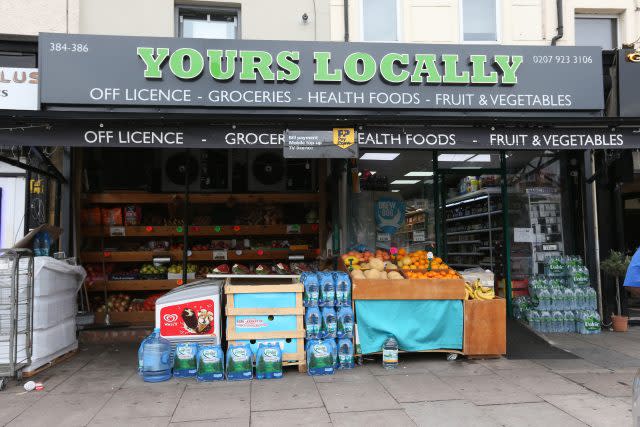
344	137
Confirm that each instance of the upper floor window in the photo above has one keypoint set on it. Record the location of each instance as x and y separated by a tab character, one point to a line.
380	20
206	23
479	21
594	30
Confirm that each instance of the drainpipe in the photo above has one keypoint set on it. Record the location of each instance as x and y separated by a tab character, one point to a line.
560	29
346	20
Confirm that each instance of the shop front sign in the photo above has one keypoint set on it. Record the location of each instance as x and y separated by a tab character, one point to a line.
116	134
19	89
252	74
628	87
338	143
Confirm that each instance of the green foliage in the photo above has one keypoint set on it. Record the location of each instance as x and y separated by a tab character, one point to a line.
616	264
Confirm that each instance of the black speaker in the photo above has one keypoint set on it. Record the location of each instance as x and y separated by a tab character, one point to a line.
621	169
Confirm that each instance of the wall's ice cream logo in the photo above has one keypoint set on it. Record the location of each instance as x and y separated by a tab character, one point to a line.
344	137
170	318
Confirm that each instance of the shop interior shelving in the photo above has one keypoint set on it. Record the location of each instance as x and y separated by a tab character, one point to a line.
415	220
110	247
473	223
545	214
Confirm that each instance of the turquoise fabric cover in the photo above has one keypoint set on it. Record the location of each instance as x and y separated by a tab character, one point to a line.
416	324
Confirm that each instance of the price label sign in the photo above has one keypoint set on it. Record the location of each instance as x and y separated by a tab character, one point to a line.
419	236
293	229
220	255
296	257
549	247
384	237
115	231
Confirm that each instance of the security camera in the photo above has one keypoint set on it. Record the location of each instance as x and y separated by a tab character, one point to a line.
305	17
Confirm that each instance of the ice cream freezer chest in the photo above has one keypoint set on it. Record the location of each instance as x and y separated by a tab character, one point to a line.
191	312
267	309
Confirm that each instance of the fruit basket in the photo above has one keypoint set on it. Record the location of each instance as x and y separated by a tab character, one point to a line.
153	272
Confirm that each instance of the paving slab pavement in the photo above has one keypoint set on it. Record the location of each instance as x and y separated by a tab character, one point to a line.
99	386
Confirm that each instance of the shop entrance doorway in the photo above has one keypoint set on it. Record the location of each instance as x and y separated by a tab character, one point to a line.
472	214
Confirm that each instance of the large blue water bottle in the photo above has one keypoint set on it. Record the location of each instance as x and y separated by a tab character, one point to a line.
45	244
156	358
37	242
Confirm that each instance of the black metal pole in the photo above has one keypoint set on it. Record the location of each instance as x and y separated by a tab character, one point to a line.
185	218
27	201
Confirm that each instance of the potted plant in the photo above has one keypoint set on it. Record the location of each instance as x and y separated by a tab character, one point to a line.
616	265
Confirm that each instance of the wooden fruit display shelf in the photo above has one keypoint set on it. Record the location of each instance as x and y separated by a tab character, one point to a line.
212	231
138	197
133	317
244	255
408	289
133	285
484	328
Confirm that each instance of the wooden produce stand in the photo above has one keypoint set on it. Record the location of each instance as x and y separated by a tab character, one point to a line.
248	300
485	328
484	325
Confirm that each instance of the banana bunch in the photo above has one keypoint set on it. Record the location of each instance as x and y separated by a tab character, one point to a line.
477	291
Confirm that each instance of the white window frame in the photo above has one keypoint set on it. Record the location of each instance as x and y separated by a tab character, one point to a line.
498	24
398	24
206	10
577	16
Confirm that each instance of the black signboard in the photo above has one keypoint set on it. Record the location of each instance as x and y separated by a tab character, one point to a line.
338	143
115	134
90	70
628	87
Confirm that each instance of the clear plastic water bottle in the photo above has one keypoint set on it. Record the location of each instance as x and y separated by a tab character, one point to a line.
141	354
390	353
579	296
545	321
635	411
592	322
345	354
592	298
312	322
558	322
37	245
544	298
45	244
156	358
580	322
569	322
534	319
569	299
557	297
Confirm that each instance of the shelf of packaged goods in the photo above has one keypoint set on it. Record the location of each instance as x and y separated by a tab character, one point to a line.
465	254
484	230
133	317
212	231
483	214
245	255
463	265
195	198
475	196
133	285
463	242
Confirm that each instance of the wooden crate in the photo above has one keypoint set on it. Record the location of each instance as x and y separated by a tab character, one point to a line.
241	290
485	328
